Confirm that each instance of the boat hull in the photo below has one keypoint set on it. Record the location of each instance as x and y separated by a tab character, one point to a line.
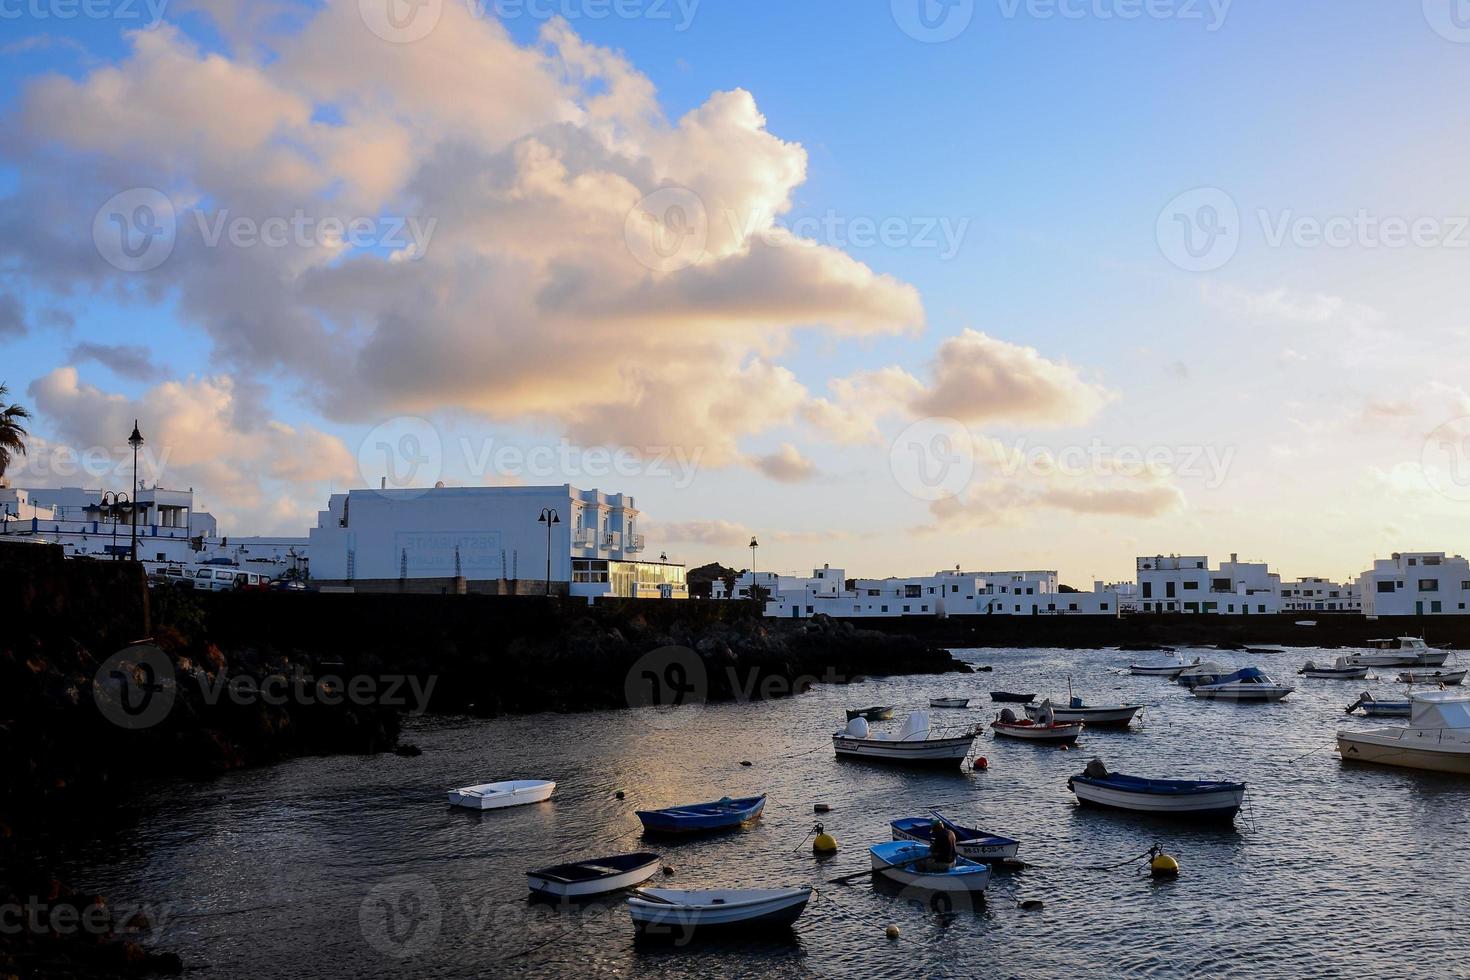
1430	676
899	864
1242	694
698	819
1435	658
1221	804
1346	674
479	798
1006	697
983	849
547	882
1118	717
917	752
949	702
1163	670
1060	733
662	913
1406	749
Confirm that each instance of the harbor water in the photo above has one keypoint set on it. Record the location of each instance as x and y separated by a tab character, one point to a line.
355	866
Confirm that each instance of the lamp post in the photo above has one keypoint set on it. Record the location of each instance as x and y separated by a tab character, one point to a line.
111	501
136	441
550	518
754	544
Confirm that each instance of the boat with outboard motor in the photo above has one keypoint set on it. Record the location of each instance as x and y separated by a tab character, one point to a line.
1341	670
1043	727
1096	716
915	743
1198	799
1374	708
1437	737
1249	685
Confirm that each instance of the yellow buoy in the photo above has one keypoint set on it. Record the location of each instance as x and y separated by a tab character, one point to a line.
1163	865
891	932
824	843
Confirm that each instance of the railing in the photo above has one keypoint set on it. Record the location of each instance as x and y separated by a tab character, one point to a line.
612	540
584	538
635	543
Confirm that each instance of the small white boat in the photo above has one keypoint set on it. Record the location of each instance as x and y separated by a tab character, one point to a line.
1339	671
1096	716
913	745
1168	668
495	796
949	702
906	863
1400	651
1192	798
599	876
1201	673
1043	727
678	913
1437	737
1249	685
1430	675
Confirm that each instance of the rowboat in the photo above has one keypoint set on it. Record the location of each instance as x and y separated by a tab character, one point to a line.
1167	668
1192	798
1098	716
1429	675
906	863
1043	728
1400	651
875	713
949	702
681	914
495	796
913	745
581	879
696	818
1006	697
1247	685
1339	671
1437	737
1374	708
977	845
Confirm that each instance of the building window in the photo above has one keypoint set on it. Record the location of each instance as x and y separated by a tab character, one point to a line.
1102	606
1148	591
1385	586
1434	606
1191	586
1429	585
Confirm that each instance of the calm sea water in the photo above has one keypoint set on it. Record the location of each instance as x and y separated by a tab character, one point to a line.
356	867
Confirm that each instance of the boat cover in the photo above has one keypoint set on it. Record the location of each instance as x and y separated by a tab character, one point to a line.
1439	709
1243	674
915	727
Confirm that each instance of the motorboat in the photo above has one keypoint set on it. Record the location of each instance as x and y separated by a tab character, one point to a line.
695	818
1437	737
949	702
906	863
1006	697
1431	675
1096	716
1341	670
1400	651
914	744
1374	708
874	713
1201	673
1197	799
970	842
496	796
1167	668
1247	685
1044	727
599	876
682	914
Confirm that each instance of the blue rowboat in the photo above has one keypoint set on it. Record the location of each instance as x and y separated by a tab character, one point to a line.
977	845
1196	799
906	862
697	818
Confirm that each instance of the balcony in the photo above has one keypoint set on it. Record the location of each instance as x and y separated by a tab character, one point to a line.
612	540
635	543
585	537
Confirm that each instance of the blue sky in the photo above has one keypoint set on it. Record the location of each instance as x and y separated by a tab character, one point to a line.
1055	142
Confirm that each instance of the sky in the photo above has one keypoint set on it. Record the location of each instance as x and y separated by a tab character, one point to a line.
895	286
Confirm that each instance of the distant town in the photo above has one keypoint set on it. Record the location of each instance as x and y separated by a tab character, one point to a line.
586	543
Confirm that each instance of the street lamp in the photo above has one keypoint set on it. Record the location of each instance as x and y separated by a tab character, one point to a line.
550	518
136	441
754	544
111	501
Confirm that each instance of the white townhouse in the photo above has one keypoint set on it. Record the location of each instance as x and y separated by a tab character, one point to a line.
1314	594
1186	584
370	539
1416	583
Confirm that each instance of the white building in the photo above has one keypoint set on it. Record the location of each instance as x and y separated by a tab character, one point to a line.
1186	584
492	536
1416	583
1314	594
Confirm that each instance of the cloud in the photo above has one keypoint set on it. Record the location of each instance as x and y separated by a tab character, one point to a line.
978	378
12	316
1287	306
786	465
125	360
715	532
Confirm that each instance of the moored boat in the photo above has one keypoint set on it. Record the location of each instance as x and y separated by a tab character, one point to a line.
1165	668
1201	673
1006	697
1400	651
682	914
1042	728
599	876
1096	716
949	702
1249	685
723	814
1341	670
497	796
914	744
1374	708
874	713
907	863
1437	737
970	842
1192	798
1430	675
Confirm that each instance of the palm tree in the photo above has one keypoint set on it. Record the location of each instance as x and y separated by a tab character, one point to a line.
12	433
